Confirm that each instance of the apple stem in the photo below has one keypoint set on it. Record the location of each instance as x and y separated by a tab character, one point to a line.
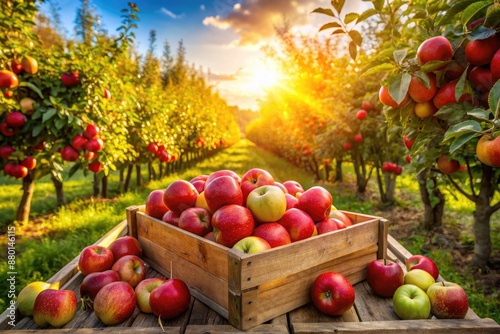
171	270
161	324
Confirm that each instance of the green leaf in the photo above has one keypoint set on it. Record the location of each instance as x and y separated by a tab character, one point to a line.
459	129
48	114
326	11
378	4
494	100
350	17
353	50
461	140
475	8
459	88
423	78
338	5
32	87
479	113
60	123
37	129
481	32
398	86
356	37
492	16
453	112
433	65
367	14
74	169
382	68
454	10
329	26
400	55
338	31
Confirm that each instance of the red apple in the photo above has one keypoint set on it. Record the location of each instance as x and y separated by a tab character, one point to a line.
418	90
155	207
126	245
95	166
408	142
94	282
341	216
253	179
481	78
131	269
232	223
435	48
179	196
54	307
327	225
448	300
275	234
95	258
368	105
196	220
79	142
291	201
346	146
384	277
70	79
387	100
6	151
15	119
298	224
446	95
332	293
143	291
171	218
91	131
223	172
316	202
170	299
115	303
18	171
481	51
361	114
252	244
281	186
293	187
422	262
358	138
495	66
6	130
199	185
16	66
267	203
8	79
94	145
29	162
222	191
152	147
488	150
106	93
68	153
447	165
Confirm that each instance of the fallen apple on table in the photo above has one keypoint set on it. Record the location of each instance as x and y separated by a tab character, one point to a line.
170	299
384	277
411	302
95	258
126	245
27	296
54	307
422	262
143	291
131	269
332	293
114	303
448	300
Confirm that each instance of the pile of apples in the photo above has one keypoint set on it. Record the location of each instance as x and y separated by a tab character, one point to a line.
417	294
115	283
251	213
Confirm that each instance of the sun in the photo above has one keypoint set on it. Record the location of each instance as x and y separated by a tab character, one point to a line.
265	75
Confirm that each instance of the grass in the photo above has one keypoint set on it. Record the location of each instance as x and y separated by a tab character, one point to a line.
51	239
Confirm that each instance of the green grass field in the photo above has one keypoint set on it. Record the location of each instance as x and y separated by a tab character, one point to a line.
51	239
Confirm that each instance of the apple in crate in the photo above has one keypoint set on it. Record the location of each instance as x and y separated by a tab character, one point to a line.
131	269
275	234
95	258
170	299
316	202
115	303
196	220
223	172
384	277
126	245
253	179
224	190
332	293
293	187
422	262
420	278
448	300
155	207
171	218
54	307
327	225
298	224
231	223
252	244
336	214
143	291
411	302
179	196
267	203
291	201
27	296
94	282
281	186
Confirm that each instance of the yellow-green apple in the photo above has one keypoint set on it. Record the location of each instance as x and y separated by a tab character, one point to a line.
448	300
316	202
281	186
232	223
222	191
27	104
179	196
95	258
420	278
291	201
155	207
54	307
27	296
275	234
424	109
384	277
223	172
30	65
70	79
170	299
418	89
411	302
253	179
171	218
334	213
327	225
201	201
488	150
447	165
115	303
126	245
143	291
332	293
252	244
131	269
422	262
293	187
196	220
267	203
435	48
298	224
94	282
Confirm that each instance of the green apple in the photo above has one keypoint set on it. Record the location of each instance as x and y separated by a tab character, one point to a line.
420	278
252	244
27	296
267	203
411	302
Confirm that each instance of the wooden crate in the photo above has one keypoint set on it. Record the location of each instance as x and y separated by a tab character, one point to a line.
250	289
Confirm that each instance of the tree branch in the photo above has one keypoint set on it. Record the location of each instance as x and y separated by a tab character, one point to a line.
472	197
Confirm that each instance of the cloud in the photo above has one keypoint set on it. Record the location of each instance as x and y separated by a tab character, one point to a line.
202	8
255	20
225	76
170	14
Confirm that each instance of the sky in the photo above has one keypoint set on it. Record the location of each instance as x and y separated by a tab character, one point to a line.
224	37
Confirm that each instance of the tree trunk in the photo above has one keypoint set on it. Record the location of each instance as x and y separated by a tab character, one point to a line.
104	188
122	179
24	208
338	170
128	177
58	185
138	178
390	187
433	201
95	192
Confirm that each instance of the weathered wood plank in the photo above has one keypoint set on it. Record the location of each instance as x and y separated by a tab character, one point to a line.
271	329
105	330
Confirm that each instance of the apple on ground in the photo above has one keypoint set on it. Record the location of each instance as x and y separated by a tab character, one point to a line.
253	179
131	269
316	202
384	277
420	278
410	302
95	258
293	187
155	206
171	218
27	296
196	220
221	191
332	293
143	291
232	223
334	213
267	203
252	244
422	262
298	224
94	282
170	299
54	307
275	234
126	245
115	303
179	196
448	300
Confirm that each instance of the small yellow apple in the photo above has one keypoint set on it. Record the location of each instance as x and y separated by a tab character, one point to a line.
420	278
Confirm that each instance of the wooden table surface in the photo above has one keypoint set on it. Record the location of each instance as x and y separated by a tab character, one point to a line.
370	313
